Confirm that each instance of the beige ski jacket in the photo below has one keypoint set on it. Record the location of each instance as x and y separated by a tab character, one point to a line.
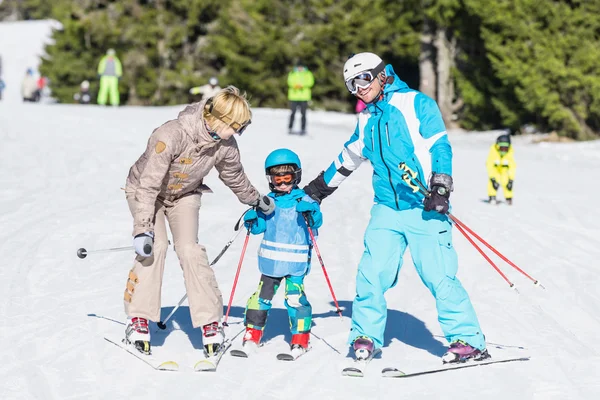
180	153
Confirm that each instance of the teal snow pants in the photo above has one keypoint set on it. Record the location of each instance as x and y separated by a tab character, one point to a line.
429	237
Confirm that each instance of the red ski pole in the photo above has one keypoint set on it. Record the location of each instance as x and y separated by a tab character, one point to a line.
237	275
489	246
512	285
314	242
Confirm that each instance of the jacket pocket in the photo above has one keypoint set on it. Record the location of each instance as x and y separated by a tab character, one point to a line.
387	135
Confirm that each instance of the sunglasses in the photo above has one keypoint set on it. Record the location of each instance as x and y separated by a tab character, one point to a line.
236	126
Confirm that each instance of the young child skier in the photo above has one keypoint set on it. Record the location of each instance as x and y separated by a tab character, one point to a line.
501	168
285	252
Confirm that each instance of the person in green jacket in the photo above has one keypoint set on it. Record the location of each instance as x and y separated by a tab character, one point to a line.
109	71
300	81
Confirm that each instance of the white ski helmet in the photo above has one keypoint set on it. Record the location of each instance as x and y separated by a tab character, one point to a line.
363	62
213	81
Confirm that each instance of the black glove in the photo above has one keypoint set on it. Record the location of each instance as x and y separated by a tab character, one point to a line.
317	189
441	186
495	183
265	204
509	185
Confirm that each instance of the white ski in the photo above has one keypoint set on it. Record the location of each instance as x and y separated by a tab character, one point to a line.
359	367
392	372
293	355
160	365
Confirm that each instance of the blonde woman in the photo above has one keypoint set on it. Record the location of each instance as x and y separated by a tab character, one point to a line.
165	184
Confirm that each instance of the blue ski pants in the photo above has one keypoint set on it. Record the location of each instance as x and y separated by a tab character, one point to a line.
429	237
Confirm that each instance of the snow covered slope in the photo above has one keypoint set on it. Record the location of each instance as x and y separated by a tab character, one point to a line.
62	169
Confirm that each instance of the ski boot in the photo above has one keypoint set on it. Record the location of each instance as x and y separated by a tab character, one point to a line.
493	200
137	334
251	339
363	347
509	201
212	338
461	351
299	344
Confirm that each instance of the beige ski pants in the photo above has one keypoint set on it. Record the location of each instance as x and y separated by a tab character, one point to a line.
142	295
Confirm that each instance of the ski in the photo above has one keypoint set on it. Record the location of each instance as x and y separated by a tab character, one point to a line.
392	372
239	353
293	355
160	365
359	367
210	364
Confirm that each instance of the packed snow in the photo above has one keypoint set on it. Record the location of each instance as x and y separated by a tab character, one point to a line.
62	170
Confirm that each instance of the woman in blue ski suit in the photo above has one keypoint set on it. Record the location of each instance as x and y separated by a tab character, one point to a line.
284	252
402	127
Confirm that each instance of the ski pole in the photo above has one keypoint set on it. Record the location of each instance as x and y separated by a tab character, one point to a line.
489	246
512	285
237	274
83	253
314	241
412	176
163	324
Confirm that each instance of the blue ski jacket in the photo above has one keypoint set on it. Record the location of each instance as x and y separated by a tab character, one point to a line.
404	126
286	246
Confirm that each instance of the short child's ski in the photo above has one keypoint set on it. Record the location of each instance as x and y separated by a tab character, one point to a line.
160	365
392	372
359	367
238	353
293	355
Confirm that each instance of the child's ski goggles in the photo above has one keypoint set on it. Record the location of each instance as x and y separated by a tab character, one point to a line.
239	128
286	178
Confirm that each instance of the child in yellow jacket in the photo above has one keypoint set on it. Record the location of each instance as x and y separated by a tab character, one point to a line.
501	169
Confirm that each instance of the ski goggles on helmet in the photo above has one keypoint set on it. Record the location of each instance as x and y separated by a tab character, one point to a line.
360	81
503	147
239	128
364	79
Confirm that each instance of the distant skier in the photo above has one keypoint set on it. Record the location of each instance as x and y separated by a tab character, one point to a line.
208	90
110	71
300	81
83	96
284	253
501	168
29	87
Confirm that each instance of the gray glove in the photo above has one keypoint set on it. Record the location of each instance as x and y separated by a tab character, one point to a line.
143	244
441	185
265	204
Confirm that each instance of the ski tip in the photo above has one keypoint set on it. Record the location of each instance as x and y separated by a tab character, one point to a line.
205	366
285	357
238	353
353	372
168	366
392	373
